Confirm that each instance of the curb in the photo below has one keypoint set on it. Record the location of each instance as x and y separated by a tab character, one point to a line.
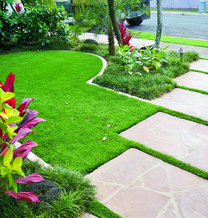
181	13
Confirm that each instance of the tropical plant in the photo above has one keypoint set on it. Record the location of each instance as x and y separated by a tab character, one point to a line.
128	58
151	58
124	36
14	127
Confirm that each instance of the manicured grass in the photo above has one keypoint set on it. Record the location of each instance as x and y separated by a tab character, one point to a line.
183	11
148	85
78	114
170	39
199	71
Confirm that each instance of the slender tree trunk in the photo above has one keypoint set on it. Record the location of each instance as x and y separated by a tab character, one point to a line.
159	24
111	45
111	9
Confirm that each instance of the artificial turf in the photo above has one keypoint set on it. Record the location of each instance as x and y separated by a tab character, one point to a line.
78	114
170	39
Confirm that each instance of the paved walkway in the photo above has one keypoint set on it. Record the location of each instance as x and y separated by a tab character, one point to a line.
141	42
137	185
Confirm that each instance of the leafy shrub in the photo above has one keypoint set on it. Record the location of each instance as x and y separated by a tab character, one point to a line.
88	47
38	24
151	58
150	84
14	127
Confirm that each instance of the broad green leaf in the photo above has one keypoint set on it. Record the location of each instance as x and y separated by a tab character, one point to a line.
1	92
10	179
14	184
17	164
10	131
5	171
11	112
6	96
19	173
8	158
6	106
3	127
3	115
14	119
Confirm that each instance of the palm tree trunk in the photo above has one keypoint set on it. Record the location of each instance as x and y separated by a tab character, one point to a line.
159	24
111	45
111	9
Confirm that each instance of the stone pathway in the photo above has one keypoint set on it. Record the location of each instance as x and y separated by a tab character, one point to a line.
136	184
192	103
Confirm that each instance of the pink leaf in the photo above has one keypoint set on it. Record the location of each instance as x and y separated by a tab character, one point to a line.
35	177
33	123
9	84
31	114
23	106
24	149
3	147
21	134
26	196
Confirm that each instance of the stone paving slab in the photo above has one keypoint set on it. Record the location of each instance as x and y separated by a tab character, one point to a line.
136	184
193	80
201	65
183	139
188	102
88	215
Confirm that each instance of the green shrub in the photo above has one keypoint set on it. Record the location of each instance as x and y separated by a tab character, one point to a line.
150	84
77	194
87	47
38	24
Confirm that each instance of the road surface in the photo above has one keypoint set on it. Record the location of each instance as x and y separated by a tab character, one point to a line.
187	26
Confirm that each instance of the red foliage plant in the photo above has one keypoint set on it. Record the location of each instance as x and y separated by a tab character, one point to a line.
7	139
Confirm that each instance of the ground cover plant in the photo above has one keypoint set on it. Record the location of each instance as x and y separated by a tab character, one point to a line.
77	194
148	80
170	39
80	115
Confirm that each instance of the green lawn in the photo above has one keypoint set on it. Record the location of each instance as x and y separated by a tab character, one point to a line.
170	39
79	114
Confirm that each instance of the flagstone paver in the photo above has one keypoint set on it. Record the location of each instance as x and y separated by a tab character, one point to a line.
193	80
153	189
182	139
201	65
88	215
188	102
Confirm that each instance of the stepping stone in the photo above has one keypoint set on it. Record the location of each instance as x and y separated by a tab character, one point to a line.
193	80
136	184
201	65
188	102
183	139
88	215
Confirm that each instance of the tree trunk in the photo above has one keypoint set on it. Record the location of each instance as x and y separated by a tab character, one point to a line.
111	45
159	24
111	9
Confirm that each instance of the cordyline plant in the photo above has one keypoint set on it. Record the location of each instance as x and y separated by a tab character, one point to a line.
124	36
14	127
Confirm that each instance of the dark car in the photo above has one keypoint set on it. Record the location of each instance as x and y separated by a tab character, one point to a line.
134	17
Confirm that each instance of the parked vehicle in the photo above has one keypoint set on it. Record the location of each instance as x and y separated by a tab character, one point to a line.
134	13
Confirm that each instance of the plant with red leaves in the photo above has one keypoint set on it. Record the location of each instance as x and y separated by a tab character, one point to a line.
14	127
124	36
18	8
